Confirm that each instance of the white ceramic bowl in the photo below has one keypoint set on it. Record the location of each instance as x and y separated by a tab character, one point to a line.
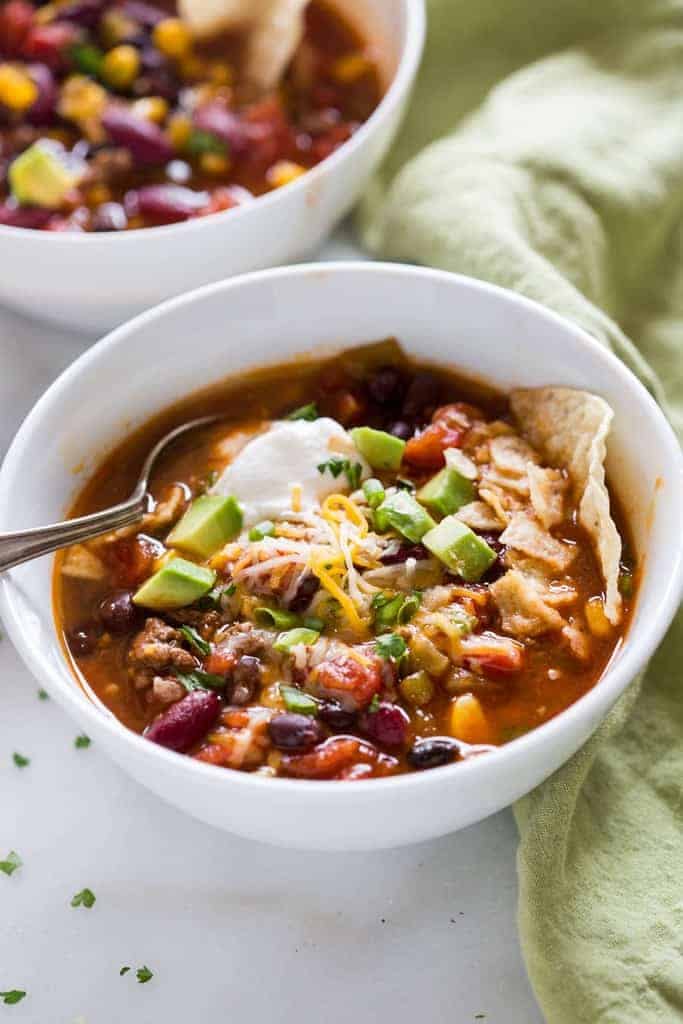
147	364
91	282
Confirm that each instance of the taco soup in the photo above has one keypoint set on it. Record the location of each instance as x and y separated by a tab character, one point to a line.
366	567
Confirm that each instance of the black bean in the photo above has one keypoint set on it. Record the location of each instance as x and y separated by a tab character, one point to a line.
83	640
335	716
404	553
295	732
433	752
402	429
422	395
386	386
246	678
117	612
304	593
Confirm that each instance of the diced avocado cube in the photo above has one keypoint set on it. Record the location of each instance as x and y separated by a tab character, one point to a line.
176	584
405	515
39	177
209	523
460	549
446	492
381	450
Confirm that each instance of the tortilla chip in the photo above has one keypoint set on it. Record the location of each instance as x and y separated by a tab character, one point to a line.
570	428
547	488
523	610
526	535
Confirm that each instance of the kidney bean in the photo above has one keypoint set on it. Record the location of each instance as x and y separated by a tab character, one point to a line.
44	108
117	612
144	139
16	18
386	386
293	732
335	716
422	395
402	429
168	204
216	119
49	44
387	725
109	217
83	640
86	13
184	723
433	752
24	216
246	678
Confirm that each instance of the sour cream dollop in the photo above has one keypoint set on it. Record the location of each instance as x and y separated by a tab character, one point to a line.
279	468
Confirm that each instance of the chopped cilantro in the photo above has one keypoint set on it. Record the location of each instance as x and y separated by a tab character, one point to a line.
43	695
391	645
143	974
204	142
20	761
305	412
124	970
82	741
374	704
195	640
11	862
84	898
13	995
395	608
200	680
336	465
212	601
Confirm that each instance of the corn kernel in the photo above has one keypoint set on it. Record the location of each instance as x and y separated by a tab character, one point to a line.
115	27
468	721
598	623
121	66
283	172
99	194
18	91
81	99
220	73
152	108
350	68
214	164
172	37
179	131
417	688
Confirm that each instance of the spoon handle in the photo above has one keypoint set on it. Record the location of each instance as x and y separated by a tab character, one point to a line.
24	545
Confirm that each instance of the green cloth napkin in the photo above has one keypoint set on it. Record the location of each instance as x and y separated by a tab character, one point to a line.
565	182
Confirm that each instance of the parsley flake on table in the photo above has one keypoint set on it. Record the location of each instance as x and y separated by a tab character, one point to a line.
20	761
84	898
82	741
143	974
124	970
13	995
43	695
11	862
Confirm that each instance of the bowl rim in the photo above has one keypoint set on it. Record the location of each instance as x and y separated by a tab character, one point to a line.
408	63
636	649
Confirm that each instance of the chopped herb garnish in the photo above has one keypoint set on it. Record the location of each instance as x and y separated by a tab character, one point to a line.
11	862
261	530
200	680
82	741
124	970
84	898
298	701
336	465
391	645
390	609
87	58
199	142
14	995
20	761
305	412
43	695
143	974
374	704
195	640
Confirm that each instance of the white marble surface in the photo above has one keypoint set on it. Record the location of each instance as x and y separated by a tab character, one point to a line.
232	930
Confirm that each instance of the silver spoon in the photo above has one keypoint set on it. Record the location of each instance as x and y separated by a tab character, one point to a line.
24	545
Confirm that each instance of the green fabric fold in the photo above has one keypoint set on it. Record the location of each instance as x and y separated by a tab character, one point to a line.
565	182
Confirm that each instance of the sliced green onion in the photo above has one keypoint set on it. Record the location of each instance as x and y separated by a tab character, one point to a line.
313	622
261	530
297	701
293	637
374	492
305	412
276	617
410	605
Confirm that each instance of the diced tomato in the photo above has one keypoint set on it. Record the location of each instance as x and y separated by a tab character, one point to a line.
49	43
426	450
457	415
16	18
329	759
132	559
493	653
325	144
350	681
222	659
269	133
